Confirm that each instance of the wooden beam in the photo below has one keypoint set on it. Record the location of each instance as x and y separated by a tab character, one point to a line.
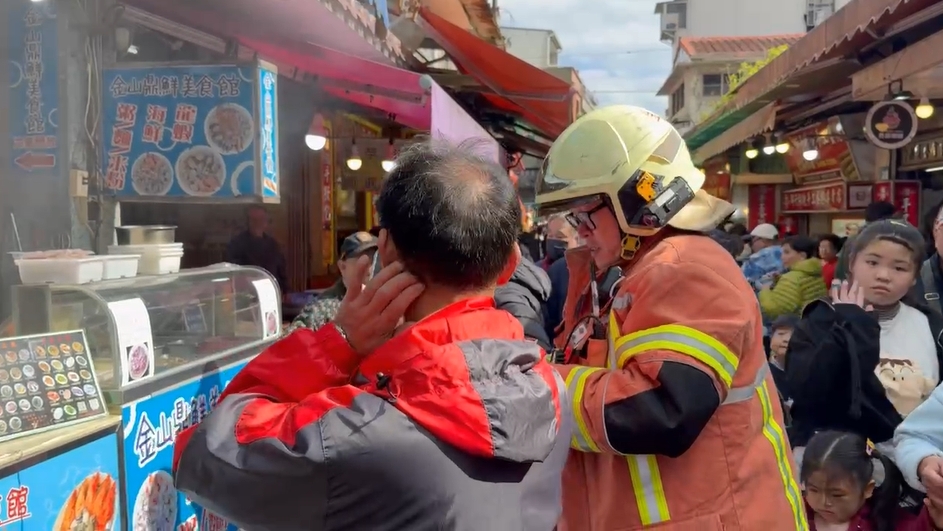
916	58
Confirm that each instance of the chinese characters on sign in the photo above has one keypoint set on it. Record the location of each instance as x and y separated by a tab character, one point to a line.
16	506
907	200
817	199
34	86
761	205
154	436
890	124
268	90
180	131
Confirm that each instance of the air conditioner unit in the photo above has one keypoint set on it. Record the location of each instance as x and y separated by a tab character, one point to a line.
669	22
822	13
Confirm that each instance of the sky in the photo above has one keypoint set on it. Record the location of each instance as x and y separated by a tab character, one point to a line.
613	43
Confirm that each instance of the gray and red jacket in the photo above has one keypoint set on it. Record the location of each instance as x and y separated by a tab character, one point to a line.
455	424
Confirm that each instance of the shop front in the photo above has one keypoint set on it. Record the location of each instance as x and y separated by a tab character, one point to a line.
921	162
99	373
832	207
717	178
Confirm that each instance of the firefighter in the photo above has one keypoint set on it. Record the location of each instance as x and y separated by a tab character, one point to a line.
678	425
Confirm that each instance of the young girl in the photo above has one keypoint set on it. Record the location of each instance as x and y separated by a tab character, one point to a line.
840	492
863	360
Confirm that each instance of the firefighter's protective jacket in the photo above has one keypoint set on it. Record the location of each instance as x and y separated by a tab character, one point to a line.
678	425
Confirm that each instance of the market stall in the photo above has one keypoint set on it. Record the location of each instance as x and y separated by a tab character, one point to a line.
159	349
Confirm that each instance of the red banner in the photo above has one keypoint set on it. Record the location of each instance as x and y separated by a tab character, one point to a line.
834	155
824	198
761	204
789	225
717	179
881	191
907	200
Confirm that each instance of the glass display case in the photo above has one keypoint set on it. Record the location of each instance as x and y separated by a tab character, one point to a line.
150	333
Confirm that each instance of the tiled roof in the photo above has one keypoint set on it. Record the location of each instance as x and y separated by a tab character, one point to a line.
700	46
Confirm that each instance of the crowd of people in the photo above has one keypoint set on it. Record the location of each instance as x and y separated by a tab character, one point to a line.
631	373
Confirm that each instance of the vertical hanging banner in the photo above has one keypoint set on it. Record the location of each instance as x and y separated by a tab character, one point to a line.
761	205
907	200
268	147
32	45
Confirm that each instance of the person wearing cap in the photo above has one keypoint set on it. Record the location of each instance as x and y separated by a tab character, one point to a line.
765	264
322	310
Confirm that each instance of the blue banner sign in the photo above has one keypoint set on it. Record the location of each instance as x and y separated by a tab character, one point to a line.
149	430
268	103
72	489
33	39
184	131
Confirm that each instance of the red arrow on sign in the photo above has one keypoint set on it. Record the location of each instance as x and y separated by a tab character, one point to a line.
30	160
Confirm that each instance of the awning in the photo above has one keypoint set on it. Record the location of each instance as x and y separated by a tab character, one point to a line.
758	123
841	33
815	61
367	83
511	84
385	88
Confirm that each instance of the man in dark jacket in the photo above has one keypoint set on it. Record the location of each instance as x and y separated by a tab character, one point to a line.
450	420
524	297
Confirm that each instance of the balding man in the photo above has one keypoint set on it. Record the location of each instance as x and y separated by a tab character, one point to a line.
421	406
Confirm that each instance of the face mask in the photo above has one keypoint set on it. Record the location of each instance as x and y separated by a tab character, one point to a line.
555	249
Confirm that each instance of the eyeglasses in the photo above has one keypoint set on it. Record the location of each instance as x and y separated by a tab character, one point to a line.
578	219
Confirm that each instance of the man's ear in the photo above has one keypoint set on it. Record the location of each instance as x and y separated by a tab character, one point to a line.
386	248
513	260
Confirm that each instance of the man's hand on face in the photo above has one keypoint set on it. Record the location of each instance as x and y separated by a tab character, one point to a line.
370	314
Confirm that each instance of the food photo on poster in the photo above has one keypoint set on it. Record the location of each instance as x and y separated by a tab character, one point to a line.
77	490
150	427
189	131
46	381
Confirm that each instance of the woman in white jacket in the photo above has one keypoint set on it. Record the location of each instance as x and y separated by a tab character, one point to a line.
919	448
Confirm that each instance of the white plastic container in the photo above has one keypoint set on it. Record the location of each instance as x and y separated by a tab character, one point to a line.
156	259
60	270
120	266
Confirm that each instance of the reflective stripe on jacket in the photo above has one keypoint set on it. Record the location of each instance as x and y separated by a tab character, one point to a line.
677	421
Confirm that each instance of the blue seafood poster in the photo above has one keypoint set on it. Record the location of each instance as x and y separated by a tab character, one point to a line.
149	427
80	485
180	131
268	112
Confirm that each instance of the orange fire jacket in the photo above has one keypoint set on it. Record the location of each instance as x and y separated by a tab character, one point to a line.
678	425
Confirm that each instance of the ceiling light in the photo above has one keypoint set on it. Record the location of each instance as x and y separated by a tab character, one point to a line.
810	154
769	149
924	110
354	162
316	138
389	163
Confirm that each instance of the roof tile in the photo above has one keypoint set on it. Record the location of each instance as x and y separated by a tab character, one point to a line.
701	46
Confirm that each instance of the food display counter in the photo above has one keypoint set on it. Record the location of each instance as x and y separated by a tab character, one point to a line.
160	350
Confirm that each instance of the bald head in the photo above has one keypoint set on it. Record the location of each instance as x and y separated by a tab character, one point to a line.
452	214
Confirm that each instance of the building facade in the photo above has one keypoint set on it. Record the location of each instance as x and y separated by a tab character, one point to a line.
702	72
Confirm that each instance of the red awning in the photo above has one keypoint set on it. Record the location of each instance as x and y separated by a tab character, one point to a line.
367	83
385	88
515	85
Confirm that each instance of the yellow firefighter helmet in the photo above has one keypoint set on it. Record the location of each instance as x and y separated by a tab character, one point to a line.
638	163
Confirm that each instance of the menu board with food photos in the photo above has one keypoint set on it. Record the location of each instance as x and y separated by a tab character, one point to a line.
46	381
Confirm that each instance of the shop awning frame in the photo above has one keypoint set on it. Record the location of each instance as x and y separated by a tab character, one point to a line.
514	85
914	59
854	27
758	123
